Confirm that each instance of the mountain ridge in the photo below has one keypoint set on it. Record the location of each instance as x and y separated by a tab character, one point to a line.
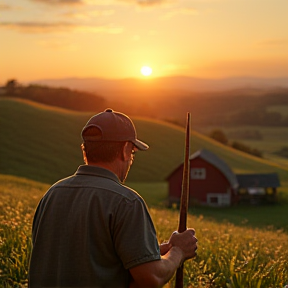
181	83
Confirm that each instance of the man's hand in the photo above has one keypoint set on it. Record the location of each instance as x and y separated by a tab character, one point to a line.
181	246
186	241
164	248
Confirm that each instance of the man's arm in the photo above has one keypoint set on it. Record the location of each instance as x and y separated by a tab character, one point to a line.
157	273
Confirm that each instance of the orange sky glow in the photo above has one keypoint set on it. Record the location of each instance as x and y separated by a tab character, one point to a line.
43	39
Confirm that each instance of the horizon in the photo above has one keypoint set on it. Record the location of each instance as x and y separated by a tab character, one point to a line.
160	77
168	83
212	39
148	80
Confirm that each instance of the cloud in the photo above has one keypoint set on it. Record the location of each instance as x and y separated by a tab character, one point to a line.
38	27
146	3
109	29
149	2
100	2
89	14
58	27
4	7
59	2
142	3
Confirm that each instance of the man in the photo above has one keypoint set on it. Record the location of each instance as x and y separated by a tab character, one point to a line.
90	230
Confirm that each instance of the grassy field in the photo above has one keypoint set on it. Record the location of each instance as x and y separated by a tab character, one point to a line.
270	217
43	144
238	246
273	139
228	255
282	109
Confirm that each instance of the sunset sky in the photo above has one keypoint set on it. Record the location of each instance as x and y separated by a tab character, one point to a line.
43	39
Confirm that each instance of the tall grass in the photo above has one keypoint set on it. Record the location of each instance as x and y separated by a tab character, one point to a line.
18	199
228	256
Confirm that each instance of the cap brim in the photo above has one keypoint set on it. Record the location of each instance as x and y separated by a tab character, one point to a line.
140	145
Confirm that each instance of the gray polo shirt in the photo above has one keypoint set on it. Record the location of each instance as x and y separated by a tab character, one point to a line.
88	231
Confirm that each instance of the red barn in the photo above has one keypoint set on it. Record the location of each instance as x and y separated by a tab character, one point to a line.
212	182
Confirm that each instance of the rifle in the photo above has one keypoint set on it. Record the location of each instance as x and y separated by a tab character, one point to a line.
184	198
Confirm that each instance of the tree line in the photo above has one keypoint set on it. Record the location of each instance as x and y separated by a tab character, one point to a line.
59	97
220	136
235	108
225	108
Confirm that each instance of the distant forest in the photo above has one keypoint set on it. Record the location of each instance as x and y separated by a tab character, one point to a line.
58	97
236	108
227	108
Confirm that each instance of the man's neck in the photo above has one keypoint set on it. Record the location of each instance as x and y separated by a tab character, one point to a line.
111	166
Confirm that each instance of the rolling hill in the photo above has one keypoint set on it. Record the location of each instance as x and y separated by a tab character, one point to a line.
43	144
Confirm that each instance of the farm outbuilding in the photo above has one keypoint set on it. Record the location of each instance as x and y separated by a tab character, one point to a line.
212	182
257	188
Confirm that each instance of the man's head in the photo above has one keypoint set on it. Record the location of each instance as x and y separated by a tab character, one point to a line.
110	140
113	126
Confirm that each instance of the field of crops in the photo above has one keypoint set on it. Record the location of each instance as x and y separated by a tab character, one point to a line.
228	256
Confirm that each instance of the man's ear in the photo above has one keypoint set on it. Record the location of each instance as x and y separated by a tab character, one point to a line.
126	152
84	153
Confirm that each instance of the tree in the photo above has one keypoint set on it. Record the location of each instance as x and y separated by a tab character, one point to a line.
245	148
11	86
219	136
283	152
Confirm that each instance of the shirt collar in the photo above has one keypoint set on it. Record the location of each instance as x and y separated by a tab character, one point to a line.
96	171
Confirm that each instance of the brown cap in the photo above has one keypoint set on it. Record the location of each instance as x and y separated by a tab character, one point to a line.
114	126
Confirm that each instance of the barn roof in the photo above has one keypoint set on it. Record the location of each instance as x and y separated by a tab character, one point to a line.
219	163
258	180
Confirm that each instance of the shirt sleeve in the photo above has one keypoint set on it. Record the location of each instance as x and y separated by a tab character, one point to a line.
134	234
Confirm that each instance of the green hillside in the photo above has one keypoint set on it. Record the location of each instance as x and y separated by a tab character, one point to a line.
43	144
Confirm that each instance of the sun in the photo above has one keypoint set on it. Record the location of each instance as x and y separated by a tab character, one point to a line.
146	71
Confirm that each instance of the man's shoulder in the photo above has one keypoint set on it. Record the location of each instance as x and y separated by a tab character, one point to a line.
130	193
117	189
98	183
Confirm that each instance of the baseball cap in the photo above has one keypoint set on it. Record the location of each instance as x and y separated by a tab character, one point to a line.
114	126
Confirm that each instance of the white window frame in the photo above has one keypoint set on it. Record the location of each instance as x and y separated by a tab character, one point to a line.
222	199
198	173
